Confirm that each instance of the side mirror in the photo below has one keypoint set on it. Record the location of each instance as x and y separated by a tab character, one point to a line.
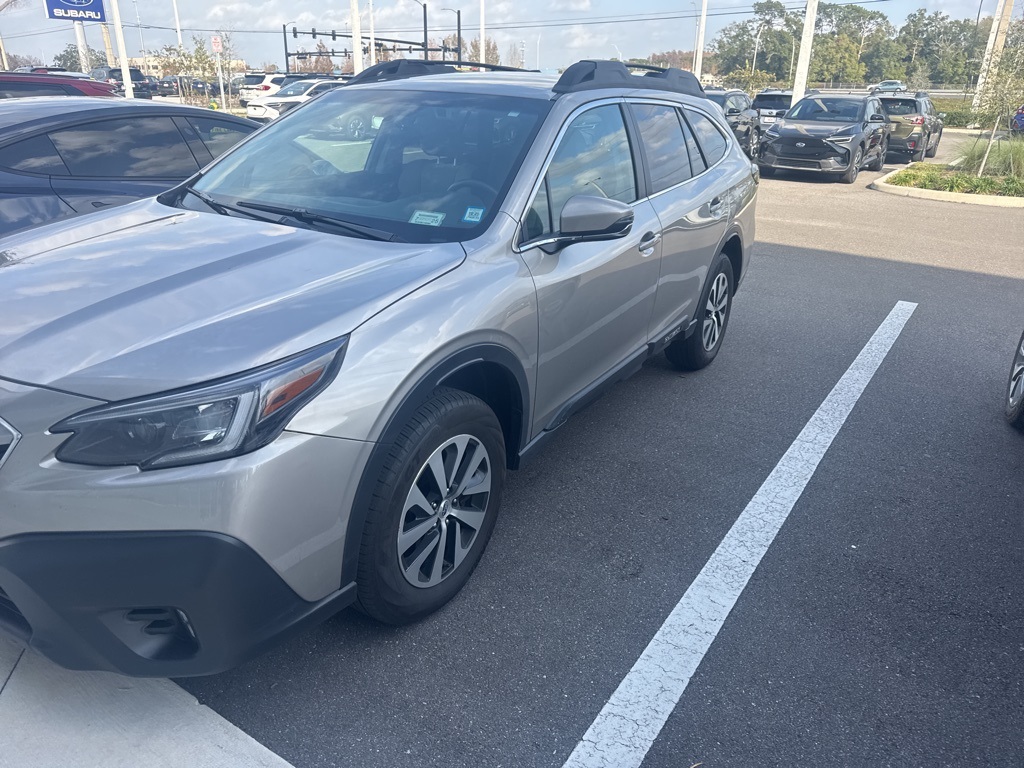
590	218
876	118
780	114
731	111
942	115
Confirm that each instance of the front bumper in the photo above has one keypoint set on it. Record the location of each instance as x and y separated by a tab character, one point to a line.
154	604
826	159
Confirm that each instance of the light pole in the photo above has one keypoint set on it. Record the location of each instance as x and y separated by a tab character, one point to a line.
699	54
617	51
483	36
177	22
458	31
426	39
757	44
142	41
287	58
696	30
357	37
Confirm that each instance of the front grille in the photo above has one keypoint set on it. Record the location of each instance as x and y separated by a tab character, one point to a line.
812	148
792	162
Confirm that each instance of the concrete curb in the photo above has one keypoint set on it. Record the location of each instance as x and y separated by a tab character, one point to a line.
994	201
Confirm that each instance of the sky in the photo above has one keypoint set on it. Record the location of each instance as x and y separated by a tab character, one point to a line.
555	32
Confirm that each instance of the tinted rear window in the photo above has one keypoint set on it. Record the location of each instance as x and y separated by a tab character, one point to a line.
718	98
35	155
664	144
21	90
772	101
711	140
253	79
901	107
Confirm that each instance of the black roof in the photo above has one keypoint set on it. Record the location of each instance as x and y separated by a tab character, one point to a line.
15	113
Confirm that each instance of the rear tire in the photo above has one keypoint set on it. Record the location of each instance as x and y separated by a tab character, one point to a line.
754	143
933	151
701	347
433	508
918	154
1015	389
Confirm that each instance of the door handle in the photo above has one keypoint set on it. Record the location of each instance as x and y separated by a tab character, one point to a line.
715	206
647	243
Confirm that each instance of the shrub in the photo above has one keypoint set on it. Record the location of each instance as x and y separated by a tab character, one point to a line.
930	176
1005	159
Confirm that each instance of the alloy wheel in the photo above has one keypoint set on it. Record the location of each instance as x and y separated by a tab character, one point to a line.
715	312
444	511
1016	388
755	143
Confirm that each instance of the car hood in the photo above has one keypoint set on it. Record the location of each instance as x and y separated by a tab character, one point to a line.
147	297
813	130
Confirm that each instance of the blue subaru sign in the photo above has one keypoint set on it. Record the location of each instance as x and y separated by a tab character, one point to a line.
75	10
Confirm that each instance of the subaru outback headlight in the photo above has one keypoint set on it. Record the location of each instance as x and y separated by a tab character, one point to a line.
212	421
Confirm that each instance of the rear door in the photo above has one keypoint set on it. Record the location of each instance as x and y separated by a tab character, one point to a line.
115	161
692	203
594	299
26	198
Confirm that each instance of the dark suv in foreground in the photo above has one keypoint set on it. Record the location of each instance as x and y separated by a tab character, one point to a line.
837	135
916	125
310	367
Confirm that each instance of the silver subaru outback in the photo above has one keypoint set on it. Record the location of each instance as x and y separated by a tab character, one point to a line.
297	381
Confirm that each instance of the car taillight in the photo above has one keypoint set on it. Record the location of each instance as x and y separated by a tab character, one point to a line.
916	120
112	81
264	87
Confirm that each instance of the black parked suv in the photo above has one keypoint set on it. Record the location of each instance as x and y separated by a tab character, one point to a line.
833	134
741	116
916	125
112	75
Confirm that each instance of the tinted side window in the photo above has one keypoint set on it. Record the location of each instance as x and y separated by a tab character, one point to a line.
35	155
20	90
593	158
697	163
664	145
734	102
219	135
711	140
538	217
137	148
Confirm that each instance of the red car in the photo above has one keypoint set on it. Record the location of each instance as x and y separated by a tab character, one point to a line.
17	84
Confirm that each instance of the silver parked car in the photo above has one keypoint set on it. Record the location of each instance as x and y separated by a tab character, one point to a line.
296	381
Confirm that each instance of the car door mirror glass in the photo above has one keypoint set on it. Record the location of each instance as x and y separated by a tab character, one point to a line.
877	118
589	217
732	111
942	115
780	114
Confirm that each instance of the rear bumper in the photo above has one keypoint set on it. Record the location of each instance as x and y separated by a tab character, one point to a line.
151	604
903	143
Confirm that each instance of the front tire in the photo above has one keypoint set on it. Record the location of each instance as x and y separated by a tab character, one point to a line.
1015	389
850	176
701	347
878	163
433	509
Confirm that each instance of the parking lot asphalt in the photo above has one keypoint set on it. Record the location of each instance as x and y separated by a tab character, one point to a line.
885	625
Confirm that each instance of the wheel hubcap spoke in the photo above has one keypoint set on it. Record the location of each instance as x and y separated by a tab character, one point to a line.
444	511
716	311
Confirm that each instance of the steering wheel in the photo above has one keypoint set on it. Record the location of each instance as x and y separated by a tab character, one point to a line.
476	185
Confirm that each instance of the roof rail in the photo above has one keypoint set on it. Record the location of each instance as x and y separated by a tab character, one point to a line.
400	69
592	74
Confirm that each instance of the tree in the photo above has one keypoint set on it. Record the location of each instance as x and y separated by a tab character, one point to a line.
16	61
68	58
884	61
473	51
836	58
751	82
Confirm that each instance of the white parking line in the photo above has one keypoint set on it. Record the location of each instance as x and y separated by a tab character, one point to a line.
629	723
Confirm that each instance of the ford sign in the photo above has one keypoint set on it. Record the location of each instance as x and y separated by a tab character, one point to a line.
75	10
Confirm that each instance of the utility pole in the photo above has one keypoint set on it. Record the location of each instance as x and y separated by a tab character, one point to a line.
426	37
483	35
357	38
698	54
3	54
803	61
177	23
994	49
287	58
83	47
757	44
373	39
107	45
122	50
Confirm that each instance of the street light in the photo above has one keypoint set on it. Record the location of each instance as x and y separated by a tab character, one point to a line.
284	34
696	32
618	51
426	39
757	44
458	32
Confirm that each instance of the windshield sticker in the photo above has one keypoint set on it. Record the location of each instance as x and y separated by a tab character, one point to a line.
473	215
427	218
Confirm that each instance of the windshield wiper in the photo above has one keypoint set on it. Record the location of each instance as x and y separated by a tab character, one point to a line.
310	217
223	208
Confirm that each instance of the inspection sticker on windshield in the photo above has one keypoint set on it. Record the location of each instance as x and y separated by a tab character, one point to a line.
428	218
473	215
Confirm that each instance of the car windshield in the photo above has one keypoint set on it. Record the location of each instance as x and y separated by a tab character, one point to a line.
426	166
295	89
899	107
825	109
718	98
772	101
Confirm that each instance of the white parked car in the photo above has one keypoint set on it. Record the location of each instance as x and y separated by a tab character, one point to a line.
267	108
259	84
